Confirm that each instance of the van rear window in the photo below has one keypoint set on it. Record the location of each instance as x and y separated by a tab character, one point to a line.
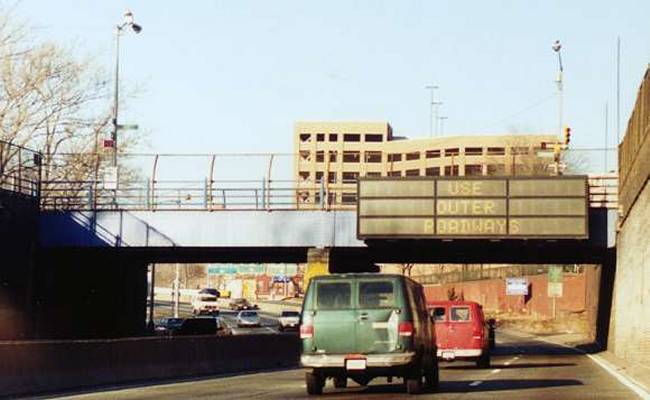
376	294
333	295
438	314
459	313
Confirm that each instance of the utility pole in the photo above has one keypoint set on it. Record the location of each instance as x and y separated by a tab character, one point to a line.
432	102
442	124
177	291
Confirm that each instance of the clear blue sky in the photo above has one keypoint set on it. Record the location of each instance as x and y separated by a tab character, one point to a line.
233	76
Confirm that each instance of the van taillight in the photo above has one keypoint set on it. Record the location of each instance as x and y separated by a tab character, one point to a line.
405	328
306	331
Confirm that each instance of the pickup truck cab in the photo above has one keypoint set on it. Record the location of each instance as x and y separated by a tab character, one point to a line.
461	331
204	303
361	326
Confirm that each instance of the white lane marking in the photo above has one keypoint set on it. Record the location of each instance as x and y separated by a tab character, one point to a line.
476	383
507	363
495	371
625	380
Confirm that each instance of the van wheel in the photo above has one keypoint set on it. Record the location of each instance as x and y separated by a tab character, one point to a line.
484	360
314	383
413	385
432	376
361	381
340	382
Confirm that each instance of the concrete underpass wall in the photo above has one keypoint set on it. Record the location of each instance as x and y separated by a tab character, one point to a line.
18	240
29	368
89	296
629	337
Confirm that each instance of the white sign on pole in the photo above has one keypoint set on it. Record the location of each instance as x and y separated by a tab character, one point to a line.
110	178
517	286
554	289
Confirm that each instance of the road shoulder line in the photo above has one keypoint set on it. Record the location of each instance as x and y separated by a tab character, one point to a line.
629	382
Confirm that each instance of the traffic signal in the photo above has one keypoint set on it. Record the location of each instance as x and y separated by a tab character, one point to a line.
567	135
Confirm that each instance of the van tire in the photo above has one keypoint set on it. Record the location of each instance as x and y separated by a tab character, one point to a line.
314	383
413	385
484	360
340	382
432	376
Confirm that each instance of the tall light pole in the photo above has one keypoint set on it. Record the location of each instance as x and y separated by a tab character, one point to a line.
128	23
557	47
431	89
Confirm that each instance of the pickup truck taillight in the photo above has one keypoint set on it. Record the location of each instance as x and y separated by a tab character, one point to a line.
306	331
405	328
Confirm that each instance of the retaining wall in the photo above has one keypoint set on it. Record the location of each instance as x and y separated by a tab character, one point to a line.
29	368
580	294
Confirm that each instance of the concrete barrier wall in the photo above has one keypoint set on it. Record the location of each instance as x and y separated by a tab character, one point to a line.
29	368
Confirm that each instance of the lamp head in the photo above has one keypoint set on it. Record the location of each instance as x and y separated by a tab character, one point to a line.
557	46
128	17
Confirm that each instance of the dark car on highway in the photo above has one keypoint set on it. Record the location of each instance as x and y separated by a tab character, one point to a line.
168	326
211	291
198	326
242	304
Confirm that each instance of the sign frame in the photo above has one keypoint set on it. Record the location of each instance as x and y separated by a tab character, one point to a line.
522	282
434	217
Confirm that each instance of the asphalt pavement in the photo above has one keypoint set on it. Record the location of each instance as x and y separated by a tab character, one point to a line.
522	368
268	322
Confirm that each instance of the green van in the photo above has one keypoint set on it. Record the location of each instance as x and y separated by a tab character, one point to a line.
361	326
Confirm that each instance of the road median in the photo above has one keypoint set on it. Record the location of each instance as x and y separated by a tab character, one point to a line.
41	367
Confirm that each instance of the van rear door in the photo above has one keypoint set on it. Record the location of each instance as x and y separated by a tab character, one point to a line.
460	327
335	317
378	319
441	324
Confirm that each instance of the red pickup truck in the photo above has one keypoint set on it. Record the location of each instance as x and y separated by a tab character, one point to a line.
462	332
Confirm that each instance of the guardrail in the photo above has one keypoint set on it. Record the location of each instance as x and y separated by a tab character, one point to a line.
237	195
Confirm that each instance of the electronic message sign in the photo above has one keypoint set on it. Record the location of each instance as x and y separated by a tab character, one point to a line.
469	207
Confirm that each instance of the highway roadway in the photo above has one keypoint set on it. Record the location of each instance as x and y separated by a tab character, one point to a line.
522	368
269	322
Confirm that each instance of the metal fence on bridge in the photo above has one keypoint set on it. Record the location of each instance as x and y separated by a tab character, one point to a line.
224	182
20	169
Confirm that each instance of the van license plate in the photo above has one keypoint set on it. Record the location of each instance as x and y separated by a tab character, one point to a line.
448	355
355	364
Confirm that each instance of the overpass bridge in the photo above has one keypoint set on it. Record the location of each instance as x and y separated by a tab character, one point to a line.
85	273
262	226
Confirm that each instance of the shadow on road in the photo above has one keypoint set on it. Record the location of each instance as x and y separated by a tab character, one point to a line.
535	347
510	366
464	386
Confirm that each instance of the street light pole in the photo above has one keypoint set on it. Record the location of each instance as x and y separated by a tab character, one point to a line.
128	22
557	47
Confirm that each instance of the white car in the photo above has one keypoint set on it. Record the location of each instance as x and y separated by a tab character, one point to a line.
204	303
289	320
248	318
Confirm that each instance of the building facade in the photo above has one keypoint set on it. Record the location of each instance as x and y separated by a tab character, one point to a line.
331	156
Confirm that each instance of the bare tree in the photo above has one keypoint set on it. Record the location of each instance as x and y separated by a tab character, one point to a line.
52	102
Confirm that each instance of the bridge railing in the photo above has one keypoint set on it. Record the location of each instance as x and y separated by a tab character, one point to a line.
20	169
237	195
188	195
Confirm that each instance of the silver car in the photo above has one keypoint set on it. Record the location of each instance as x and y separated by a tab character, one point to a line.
248	319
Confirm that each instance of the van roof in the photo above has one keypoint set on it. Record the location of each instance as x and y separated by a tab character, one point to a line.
357	275
451	302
